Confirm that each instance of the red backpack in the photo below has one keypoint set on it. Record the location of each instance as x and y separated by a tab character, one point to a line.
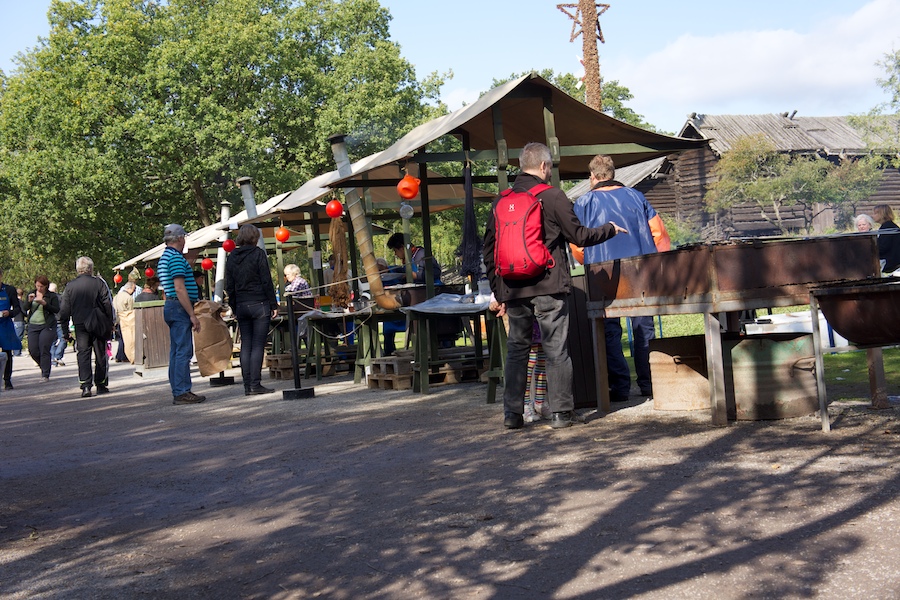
519	249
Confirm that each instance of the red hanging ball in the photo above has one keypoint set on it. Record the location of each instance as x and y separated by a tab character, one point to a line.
408	187
207	264
228	245
334	209
149	272
282	234
117	278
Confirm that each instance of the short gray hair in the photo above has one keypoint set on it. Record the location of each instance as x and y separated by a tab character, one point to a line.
533	154
291	269
84	266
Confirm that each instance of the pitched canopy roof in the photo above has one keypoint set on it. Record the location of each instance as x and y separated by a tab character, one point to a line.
527	109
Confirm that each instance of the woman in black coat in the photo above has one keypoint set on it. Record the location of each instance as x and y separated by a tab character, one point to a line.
251	295
41	313
889	243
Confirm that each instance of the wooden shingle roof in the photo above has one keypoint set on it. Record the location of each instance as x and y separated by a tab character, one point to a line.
831	136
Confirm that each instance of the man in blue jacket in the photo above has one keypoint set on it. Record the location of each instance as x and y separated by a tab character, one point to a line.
607	201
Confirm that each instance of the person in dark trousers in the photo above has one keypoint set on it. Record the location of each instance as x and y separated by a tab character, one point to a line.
610	200
543	297
9	338
251	295
42	325
78	301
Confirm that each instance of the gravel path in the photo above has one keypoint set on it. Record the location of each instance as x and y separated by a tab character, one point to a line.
362	493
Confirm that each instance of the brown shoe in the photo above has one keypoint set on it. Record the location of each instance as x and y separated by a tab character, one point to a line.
188	398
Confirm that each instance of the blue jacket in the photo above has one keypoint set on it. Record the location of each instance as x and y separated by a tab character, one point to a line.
625	207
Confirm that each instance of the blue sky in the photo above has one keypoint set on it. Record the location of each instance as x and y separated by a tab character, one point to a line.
713	57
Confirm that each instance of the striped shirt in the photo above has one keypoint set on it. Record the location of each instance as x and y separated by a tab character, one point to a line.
172	264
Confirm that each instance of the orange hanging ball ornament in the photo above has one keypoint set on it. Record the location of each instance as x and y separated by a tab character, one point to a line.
117	278
408	187
228	245
206	264
334	209
282	234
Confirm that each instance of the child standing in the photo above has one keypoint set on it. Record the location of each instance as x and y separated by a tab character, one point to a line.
536	405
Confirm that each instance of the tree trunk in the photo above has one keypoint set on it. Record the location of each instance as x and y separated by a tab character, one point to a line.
200	201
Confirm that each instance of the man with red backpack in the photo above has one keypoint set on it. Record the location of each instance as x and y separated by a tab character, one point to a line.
541	296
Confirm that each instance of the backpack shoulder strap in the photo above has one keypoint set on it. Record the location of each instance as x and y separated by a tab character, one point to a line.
541	187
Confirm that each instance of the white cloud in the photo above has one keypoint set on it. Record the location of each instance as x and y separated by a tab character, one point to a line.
828	70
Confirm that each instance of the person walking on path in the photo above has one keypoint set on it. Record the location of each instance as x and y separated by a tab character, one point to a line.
609	200
58	348
9	339
542	297
79	299
251	295
42	325
177	280
123	303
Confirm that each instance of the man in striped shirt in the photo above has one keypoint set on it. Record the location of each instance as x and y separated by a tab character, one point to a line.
177	280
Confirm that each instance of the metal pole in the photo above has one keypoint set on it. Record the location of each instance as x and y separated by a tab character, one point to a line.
221	255
246	184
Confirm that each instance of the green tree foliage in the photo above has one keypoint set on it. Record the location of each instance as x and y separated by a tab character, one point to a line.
136	113
881	126
752	171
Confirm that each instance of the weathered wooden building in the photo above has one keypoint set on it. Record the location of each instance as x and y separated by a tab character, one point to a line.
676	185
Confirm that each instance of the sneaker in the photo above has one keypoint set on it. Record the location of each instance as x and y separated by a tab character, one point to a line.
7	385
60	363
562	419
530	415
102	389
45	379
543	409
188	398
54	363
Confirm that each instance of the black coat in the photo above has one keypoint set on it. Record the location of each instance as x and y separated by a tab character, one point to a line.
247	277
889	247
51	309
80	297
560	226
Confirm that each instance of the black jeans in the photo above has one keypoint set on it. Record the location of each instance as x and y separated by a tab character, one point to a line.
552	315
253	322
40	340
85	344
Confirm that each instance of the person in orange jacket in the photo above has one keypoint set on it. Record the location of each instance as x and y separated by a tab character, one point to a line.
610	201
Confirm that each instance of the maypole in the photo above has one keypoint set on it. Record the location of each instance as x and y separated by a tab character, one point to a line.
587	13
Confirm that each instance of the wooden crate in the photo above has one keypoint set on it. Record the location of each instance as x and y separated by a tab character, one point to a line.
390	382
285	373
279	361
451	373
392	365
